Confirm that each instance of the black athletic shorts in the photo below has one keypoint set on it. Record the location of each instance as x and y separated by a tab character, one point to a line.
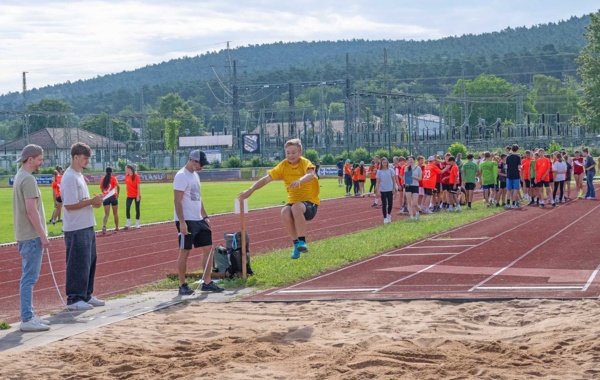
502	185
527	184
469	186
446	187
311	210
543	184
427	191
438	187
59	199
412	189
199	234
112	200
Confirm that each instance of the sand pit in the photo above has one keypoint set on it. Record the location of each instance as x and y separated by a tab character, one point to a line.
523	339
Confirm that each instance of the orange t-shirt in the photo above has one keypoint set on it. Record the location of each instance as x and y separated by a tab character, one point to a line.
56	185
430	175
373	171
132	185
112	185
360	177
401	174
348	169
526	162
453	178
541	165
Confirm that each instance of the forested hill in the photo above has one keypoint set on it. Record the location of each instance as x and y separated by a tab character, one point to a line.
548	48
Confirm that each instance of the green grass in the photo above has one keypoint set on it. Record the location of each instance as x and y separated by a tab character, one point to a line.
4	326
277	269
157	202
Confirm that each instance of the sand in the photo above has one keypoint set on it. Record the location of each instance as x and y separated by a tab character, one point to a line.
522	339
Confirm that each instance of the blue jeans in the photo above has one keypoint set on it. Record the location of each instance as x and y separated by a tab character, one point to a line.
81	264
31	254
589	177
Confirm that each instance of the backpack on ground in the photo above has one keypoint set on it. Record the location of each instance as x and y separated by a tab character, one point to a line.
233	242
221	260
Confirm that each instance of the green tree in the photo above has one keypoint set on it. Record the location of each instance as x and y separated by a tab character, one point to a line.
46	114
456	148
359	155
172	136
98	124
550	96
589	70
312	155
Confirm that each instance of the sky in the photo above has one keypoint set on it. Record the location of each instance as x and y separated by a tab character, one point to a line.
60	41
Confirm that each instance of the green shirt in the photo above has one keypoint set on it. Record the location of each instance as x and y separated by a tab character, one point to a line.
532	169
489	172
25	187
469	170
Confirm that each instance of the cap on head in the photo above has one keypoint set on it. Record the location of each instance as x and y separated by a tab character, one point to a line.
30	150
431	158
200	156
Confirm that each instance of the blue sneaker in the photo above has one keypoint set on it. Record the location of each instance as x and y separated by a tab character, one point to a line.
295	252
301	246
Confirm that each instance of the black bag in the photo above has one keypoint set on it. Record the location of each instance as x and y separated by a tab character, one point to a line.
221	260
233	242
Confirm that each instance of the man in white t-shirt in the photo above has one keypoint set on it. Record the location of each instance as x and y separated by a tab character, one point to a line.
78	227
195	229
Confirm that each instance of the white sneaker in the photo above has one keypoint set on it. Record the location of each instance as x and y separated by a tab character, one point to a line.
427	211
96	302
386	220
450	208
80	305
40	320
33	325
458	208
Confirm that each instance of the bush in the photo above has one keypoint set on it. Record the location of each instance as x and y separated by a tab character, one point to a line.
554	147
256	162
312	155
121	164
456	148
328	159
215	164
359	155
397	152
141	167
382	153
234	162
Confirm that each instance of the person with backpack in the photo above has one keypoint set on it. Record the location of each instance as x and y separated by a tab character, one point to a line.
302	185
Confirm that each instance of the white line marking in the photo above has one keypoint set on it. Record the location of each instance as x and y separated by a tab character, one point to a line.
591	279
533	249
528	288
296	291
418	254
443	239
441	246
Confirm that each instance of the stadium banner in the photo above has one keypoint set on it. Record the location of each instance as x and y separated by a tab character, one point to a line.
328	172
200	141
41	180
251	143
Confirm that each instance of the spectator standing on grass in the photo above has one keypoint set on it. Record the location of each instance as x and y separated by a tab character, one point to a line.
30	232
191	221
134	194
340	172
590	171
578	173
348	176
489	172
560	174
56	180
109	184
470	170
387	183
78	228
513	177
298	175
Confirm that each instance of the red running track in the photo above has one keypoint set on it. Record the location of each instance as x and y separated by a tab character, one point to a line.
130	259
525	253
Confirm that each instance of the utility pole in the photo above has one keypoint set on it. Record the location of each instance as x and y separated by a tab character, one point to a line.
387	101
235	113
292	114
25	116
347	106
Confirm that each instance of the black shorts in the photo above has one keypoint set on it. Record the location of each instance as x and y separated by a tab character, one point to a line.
438	187
453	189
340	173
446	186
502	185
469	186
533	184
199	234
412	189
427	191
59	199
311	210
527	184
542	184
110	201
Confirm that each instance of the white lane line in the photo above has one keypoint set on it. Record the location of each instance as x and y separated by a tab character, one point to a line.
533	249
591	279
544	215
418	254
529	288
440	246
394	250
474	238
298	291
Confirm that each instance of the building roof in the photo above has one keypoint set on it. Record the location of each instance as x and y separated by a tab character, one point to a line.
56	138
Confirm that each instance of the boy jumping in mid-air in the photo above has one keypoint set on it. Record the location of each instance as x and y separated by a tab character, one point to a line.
298	175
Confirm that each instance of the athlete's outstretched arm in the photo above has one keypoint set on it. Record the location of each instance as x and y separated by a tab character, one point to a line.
257	185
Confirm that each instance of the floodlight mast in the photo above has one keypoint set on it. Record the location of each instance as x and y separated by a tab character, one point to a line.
25	117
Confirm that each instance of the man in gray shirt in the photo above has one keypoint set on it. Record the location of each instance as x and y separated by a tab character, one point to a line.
590	172
30	232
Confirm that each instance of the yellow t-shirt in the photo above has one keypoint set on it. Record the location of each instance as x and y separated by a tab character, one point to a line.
289	173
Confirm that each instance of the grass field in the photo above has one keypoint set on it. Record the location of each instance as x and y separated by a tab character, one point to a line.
157	202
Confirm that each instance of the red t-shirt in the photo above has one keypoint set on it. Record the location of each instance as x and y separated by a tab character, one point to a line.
453	176
541	165
445	176
430	175
56	185
576	168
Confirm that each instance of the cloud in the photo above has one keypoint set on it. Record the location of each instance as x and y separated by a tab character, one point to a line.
56	41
